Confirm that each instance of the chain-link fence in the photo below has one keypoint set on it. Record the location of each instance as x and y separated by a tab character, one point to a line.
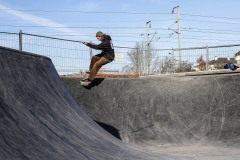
72	57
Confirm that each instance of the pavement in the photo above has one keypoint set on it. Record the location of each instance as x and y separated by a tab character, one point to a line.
45	116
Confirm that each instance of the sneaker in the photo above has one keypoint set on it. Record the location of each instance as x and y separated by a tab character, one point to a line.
85	75
85	82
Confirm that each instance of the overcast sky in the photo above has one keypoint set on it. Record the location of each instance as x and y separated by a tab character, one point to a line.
202	22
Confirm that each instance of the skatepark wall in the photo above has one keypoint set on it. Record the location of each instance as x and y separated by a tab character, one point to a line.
165	110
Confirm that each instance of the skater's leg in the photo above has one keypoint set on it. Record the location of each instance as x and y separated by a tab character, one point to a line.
97	65
93	61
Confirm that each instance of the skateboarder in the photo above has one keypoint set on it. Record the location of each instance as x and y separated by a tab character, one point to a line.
106	56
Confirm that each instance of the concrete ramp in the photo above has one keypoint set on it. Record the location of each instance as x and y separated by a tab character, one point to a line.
39	119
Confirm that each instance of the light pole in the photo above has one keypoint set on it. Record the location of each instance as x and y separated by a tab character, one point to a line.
148	25
178	32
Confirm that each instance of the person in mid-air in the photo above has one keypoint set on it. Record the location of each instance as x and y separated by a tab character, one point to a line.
106	56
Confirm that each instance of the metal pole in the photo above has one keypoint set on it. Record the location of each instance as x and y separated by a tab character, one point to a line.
138	68
207	57
20	40
179	33
173	60
147	47
91	52
179	36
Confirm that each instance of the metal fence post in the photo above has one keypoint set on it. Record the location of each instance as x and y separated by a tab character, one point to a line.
207	57
174	61
20	40
91	52
138	67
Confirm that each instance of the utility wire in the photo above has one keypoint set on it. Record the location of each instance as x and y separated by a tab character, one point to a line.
110	12
209	16
135	27
77	11
213	21
210	31
92	21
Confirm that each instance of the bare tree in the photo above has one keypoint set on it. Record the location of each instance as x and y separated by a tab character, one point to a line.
136	57
141	58
201	63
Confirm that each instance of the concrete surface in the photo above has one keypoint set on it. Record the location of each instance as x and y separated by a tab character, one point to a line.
40	120
189	116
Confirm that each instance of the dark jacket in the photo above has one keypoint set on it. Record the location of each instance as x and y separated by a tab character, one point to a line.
106	46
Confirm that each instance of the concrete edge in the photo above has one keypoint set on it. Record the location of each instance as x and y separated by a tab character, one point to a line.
14	51
197	73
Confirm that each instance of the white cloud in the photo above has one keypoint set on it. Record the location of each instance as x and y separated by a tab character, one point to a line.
38	20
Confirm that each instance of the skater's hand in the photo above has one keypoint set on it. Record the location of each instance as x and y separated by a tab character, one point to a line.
85	43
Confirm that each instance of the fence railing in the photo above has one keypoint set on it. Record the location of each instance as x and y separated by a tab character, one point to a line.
72	57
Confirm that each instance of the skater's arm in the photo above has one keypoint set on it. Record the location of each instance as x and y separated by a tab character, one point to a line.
102	46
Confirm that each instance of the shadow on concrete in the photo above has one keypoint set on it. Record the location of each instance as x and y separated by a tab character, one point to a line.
110	129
